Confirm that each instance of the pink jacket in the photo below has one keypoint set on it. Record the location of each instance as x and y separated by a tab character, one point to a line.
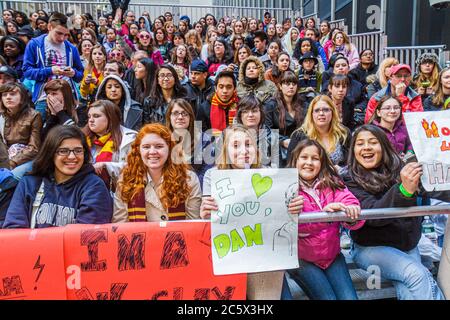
319	243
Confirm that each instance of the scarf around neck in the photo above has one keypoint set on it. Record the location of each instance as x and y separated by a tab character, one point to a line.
222	114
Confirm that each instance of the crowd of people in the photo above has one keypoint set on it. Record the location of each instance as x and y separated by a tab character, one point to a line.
123	118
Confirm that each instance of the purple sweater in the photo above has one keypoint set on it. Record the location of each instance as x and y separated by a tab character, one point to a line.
398	137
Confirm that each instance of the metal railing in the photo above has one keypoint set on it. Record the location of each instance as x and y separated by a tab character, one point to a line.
339	24
376	41
408	55
195	12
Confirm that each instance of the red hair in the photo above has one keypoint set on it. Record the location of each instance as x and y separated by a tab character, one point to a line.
174	189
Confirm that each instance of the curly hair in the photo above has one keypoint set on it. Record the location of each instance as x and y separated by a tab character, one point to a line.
174	188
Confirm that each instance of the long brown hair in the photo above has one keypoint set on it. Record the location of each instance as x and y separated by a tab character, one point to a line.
113	114
25	99
66	90
91	64
438	98
174	188
183	104
298	103
327	175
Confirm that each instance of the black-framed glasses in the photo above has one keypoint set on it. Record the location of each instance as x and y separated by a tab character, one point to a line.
65	152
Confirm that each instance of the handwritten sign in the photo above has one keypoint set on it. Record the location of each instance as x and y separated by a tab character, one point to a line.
252	231
145	261
430	136
32	264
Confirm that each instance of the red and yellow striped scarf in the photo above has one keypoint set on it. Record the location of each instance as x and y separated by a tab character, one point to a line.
136	209
104	155
218	113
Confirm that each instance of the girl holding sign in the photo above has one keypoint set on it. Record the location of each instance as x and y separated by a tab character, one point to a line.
377	177
323	273
156	185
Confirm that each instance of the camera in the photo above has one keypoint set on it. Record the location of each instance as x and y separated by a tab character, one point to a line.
439	4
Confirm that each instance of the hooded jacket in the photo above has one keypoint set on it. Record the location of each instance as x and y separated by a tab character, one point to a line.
197	96
82	199
34	64
263	90
131	110
319	242
411	101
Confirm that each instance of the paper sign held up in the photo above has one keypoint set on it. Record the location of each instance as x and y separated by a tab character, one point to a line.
252	231
430	136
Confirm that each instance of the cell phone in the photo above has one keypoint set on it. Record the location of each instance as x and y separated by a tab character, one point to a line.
67	68
410	157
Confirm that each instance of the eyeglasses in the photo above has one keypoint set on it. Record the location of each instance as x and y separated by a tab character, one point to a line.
65	152
390	108
115	54
144	36
165	76
322	110
176	114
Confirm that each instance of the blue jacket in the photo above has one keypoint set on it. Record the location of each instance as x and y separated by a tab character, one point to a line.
322	54
34	64
82	199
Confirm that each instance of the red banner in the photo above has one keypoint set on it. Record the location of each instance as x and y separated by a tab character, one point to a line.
170	261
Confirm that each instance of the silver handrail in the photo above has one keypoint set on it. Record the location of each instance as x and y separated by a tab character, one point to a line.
370	214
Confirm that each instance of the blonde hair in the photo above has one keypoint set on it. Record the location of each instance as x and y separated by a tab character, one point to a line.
438	98
434	78
223	162
386	63
337	131
198	40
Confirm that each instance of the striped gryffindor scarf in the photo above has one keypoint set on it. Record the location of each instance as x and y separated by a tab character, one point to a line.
219	111
136	209
105	155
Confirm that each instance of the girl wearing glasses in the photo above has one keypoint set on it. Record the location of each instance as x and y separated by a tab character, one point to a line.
388	117
20	127
62	187
322	123
154	186
166	88
108	141
191	142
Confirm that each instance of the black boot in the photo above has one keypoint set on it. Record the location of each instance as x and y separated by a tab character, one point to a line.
124	4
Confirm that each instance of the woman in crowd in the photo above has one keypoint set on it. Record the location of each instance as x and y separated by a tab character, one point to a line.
109	42
325	32
183	27
144	24
323	273
239	30
223	32
180	120
208	47
62	178
20	127
221	56
242	53
322	124
89	34
61	106
283	64
304	46
157	24
441	99
93	73
115	90
194	42
12	28
12	49
161	43
145	71
85	48
145	44
309	78
287	113
152	186
251	115
425	81
388	117
237	41
380	81
166	88
251	80
378	178
270	58
182	58
342	44
170	29
337	91
109	142
289	41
